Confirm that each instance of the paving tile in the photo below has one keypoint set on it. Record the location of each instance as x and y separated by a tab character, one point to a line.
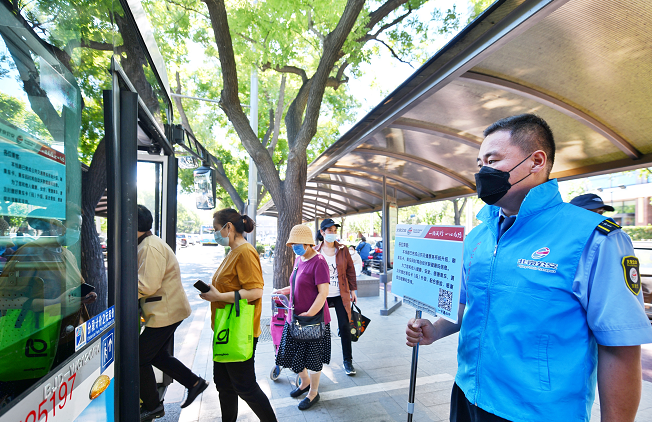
380	356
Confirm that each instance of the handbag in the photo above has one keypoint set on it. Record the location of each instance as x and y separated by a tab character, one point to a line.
233	339
305	328
358	323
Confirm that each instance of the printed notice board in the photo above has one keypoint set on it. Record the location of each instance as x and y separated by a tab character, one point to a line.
428	268
32	174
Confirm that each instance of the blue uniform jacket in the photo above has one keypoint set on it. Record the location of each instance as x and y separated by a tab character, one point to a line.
526	349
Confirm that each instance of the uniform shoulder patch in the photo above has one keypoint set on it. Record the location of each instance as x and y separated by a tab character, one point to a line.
607	226
632	275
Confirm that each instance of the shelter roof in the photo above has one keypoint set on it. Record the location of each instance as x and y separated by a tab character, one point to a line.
585	66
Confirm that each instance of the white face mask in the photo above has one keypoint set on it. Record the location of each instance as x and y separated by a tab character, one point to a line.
330	237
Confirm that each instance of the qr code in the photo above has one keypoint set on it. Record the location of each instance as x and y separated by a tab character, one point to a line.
445	301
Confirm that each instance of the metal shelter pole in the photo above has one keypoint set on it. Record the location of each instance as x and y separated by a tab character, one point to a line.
413	376
385	238
386	275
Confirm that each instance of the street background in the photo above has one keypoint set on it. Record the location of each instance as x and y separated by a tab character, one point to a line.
377	393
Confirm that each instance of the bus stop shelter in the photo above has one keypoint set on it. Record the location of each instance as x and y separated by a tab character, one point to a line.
585	66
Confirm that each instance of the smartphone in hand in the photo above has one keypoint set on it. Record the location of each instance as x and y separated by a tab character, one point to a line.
86	289
202	287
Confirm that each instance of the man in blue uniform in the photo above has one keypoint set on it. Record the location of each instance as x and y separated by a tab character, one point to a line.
550	300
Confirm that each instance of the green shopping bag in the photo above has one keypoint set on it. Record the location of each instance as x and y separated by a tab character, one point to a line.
28	338
233	339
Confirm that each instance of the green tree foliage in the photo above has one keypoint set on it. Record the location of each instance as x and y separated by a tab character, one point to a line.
305	54
15	111
187	220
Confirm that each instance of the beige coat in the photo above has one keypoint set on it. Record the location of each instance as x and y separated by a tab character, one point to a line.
162	298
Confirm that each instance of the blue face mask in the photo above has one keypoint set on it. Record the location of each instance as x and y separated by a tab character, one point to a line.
70	238
299	249
221	240
330	238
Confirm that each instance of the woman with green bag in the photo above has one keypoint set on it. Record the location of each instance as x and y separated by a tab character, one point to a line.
239	276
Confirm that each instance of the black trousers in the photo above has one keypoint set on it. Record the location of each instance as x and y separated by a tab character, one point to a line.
239	379
462	410
153	345
343	324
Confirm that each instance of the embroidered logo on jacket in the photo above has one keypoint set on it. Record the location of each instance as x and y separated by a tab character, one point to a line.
631	270
530	264
540	253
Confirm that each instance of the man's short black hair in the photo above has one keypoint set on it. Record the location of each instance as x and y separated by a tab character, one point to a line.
529	132
145	219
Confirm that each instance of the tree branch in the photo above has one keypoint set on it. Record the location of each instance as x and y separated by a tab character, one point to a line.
280	105
221	176
339	79
246	38
287	69
332	46
383	11
270	127
393	52
189	9
224	181
385	27
311	28
230	101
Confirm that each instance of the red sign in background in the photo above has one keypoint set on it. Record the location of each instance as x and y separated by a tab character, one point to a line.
455	234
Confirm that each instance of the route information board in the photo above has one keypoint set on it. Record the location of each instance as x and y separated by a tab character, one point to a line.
33	174
428	268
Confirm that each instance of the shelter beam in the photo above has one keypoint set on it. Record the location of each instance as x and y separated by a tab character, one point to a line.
436	130
418	161
358	176
337	201
389	175
556	104
345	185
340	193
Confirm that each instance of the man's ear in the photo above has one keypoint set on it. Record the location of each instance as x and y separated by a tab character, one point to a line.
539	160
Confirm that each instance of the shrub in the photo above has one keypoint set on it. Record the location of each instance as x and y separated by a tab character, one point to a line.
639	232
260	249
227	249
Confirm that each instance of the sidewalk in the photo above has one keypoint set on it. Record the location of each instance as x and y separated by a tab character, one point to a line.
377	393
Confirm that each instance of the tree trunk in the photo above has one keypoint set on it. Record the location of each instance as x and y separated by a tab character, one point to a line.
458	209
289	215
94	184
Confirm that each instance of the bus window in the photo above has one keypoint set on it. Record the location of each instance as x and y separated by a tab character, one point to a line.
43	297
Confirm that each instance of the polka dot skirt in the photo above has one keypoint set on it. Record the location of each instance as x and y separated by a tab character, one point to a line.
298	355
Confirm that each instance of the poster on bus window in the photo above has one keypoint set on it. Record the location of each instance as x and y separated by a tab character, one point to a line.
33	175
80	390
428	268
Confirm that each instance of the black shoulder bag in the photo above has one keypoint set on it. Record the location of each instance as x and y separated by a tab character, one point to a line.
305	328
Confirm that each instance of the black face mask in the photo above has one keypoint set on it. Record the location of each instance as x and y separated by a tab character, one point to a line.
492	184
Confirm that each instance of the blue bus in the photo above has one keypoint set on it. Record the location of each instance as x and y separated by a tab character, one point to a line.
206	236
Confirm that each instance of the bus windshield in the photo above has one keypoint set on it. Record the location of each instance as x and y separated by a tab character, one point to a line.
206	235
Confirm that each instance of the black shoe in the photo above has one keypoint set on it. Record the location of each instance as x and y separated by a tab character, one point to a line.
298	391
194	391
348	368
307	403
148	415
